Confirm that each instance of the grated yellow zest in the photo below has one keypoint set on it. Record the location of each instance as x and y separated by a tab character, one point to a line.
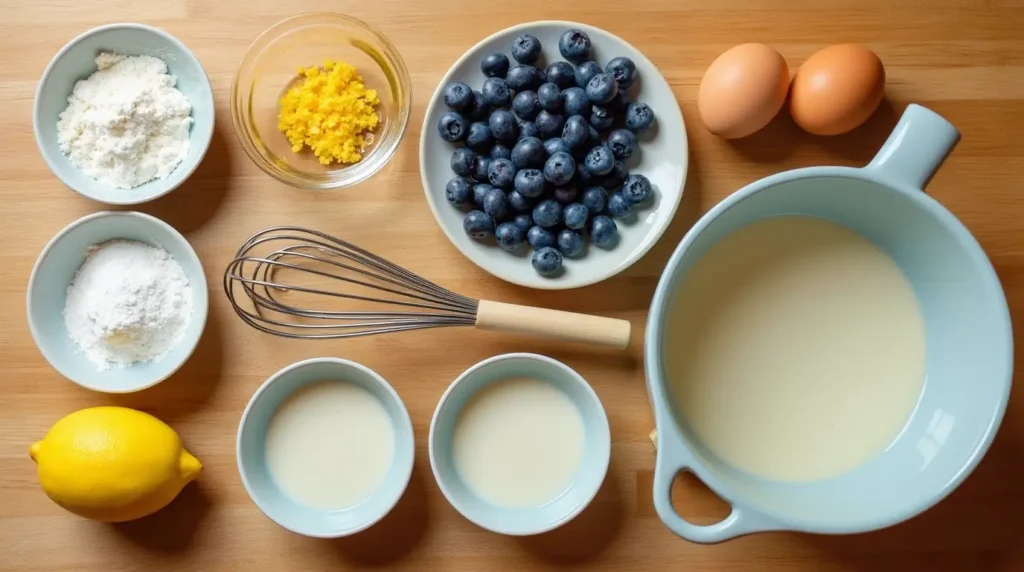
330	112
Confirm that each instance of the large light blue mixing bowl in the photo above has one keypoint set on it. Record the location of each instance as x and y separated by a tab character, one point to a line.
969	363
75	61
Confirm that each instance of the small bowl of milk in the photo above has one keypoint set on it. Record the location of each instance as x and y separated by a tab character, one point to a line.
519	444
325	448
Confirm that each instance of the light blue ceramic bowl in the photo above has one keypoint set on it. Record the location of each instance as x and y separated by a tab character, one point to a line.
968	339
597	448
251	451
55	269
75	61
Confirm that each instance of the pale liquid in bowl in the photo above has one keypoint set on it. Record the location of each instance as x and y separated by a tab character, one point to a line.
795	349
518	443
330	444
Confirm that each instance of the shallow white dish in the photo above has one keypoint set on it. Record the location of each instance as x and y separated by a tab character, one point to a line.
663	158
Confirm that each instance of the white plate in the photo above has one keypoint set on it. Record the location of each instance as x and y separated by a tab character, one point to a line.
663	158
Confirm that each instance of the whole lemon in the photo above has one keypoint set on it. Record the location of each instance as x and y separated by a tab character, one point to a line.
113	464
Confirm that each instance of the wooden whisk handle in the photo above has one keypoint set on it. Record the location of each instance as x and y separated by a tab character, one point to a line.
556	324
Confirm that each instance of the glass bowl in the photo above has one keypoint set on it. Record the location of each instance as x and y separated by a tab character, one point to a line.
270	67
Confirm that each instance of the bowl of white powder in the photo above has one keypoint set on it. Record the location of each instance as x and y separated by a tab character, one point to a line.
117	301
124	114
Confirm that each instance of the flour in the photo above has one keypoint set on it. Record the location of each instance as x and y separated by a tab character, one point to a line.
130	302
126	124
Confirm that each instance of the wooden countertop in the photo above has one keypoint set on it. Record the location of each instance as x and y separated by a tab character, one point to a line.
962	58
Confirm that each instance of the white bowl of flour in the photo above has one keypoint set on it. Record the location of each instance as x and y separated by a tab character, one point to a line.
124	114
117	301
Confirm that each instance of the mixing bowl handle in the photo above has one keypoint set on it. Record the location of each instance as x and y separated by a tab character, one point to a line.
915	149
671	460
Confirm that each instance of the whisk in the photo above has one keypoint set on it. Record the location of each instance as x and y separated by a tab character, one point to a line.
376	296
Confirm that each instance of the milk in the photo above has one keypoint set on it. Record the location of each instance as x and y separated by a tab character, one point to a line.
330	444
796	349
518	443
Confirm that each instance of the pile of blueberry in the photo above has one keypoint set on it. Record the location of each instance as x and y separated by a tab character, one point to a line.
545	150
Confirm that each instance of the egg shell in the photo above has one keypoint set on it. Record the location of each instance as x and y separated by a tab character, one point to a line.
742	90
837	89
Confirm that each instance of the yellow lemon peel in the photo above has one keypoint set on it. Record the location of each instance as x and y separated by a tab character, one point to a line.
331	112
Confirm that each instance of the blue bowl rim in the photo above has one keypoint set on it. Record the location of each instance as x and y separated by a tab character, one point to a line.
405	432
490	362
130	200
199	292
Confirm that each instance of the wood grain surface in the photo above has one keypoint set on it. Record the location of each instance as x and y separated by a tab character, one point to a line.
962	58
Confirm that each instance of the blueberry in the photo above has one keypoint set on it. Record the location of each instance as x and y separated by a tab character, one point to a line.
639	117
547	261
575	216
500	151
524	222
593	139
600	89
574	45
458	95
526	105
504	126
599	161
452	127
637	189
519	202
529	183
601	118
575	102
614	179
585	71
481	168
480	191
494	65
561	74
550	124
619	102
547	214
496	92
550	97
479	136
556	145
559	169
463	162
526	49
595	199
478	110
619	206
570	242
565	195
622	142
529	152
603	231
524	77
478	225
576	132
459	192
509	236
502	173
496	205
623	70
539	237
528	129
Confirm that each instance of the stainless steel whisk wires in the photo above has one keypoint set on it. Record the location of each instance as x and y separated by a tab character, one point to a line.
353	272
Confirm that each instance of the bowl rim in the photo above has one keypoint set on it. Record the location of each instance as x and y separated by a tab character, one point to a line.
445	401
200	306
655	377
403	466
562	284
204	143
271	34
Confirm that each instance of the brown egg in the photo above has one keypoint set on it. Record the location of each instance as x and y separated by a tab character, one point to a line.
837	89
743	89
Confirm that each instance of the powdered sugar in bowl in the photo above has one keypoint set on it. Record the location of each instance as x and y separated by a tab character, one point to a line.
117	301
139	129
